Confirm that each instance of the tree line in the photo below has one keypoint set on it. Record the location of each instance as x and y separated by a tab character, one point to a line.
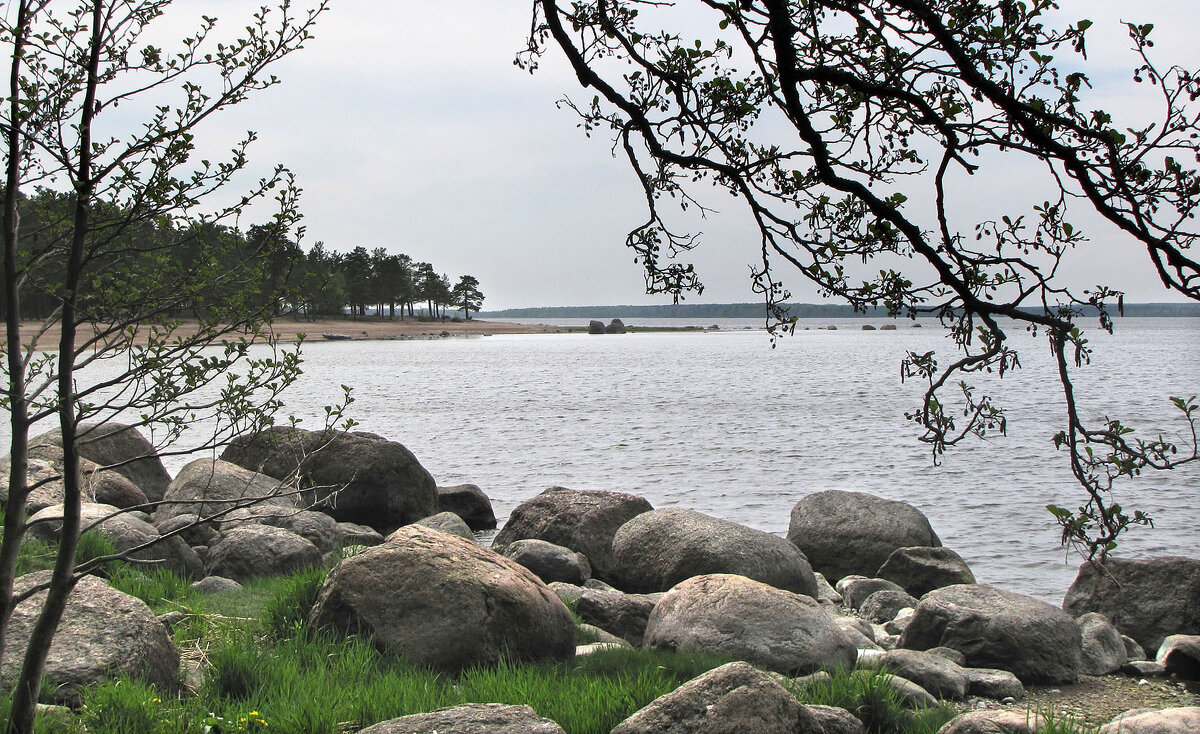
319	283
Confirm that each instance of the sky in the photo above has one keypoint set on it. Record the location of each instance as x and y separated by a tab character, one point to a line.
409	128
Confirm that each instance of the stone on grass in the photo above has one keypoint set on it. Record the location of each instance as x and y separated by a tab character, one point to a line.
252	551
1180	656
735	698
582	520
353	476
470	503
1146	599
911	695
445	602
937	675
1185	720
998	629
104	634
1103	649
748	620
624	615
215	585
599	636
550	562
469	718
658	549
845	533
448	522
922	569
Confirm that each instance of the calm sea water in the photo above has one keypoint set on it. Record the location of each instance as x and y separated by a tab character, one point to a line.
722	423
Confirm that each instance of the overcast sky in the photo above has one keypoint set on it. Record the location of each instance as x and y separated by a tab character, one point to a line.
410	128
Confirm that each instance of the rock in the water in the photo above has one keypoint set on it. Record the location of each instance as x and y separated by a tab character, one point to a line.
883	605
595	327
998	629
470	503
937	675
550	562
658	549
1145	599
616	326
749	620
104	633
444	601
251	551
208	486
1185	720
469	718
355	477
993	722
316	527
1180	656
624	615
732	699
845	533
122	447
992	683
1103	649
449	523
125	532
920	570
582	520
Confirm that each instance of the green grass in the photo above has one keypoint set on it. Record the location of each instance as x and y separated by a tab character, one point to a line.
869	696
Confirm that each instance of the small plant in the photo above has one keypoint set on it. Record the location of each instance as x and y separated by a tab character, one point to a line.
239	669
284	615
155	586
125	706
869	695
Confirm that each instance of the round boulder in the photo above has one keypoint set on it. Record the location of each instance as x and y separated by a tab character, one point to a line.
550	562
751	621
104	633
470	503
582	520
885	604
1103	649
1183	720
1180	656
448	522
209	486
121	447
624	615
845	533
1146	599
920	570
316	527
443	601
998	629
470	718
658	549
354	477
251	551
994	722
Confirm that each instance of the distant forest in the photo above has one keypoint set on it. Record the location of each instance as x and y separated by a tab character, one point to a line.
756	311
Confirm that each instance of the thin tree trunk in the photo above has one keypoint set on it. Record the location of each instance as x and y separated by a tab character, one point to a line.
25	696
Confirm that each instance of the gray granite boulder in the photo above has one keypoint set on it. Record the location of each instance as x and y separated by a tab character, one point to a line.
550	562
215	585
883	605
251	551
470	503
658	549
749	620
1146	599
920	570
998	629
449	523
582	520
994	722
104	633
352	476
845	533
469	718
1185	720
355	534
835	720
855	591
992	683
1103	649
316	527
445	602
123	448
937	675
105	487
624	615
595	327
734	698
208	487
1180	656
189	527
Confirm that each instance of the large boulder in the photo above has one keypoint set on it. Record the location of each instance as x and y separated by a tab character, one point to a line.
1103	649
251	551
449	523
994	722
1180	656
355	477
998	629
732	699
45	474
206	487
1183	720
624	615
468	502
1146	599
748	620
937	675
920	570
470	718
443	601
120	447
580	519
104	634
844	533
126	532
316	527
658	549
550	562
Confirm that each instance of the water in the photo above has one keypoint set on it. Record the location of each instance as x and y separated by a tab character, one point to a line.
721	423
